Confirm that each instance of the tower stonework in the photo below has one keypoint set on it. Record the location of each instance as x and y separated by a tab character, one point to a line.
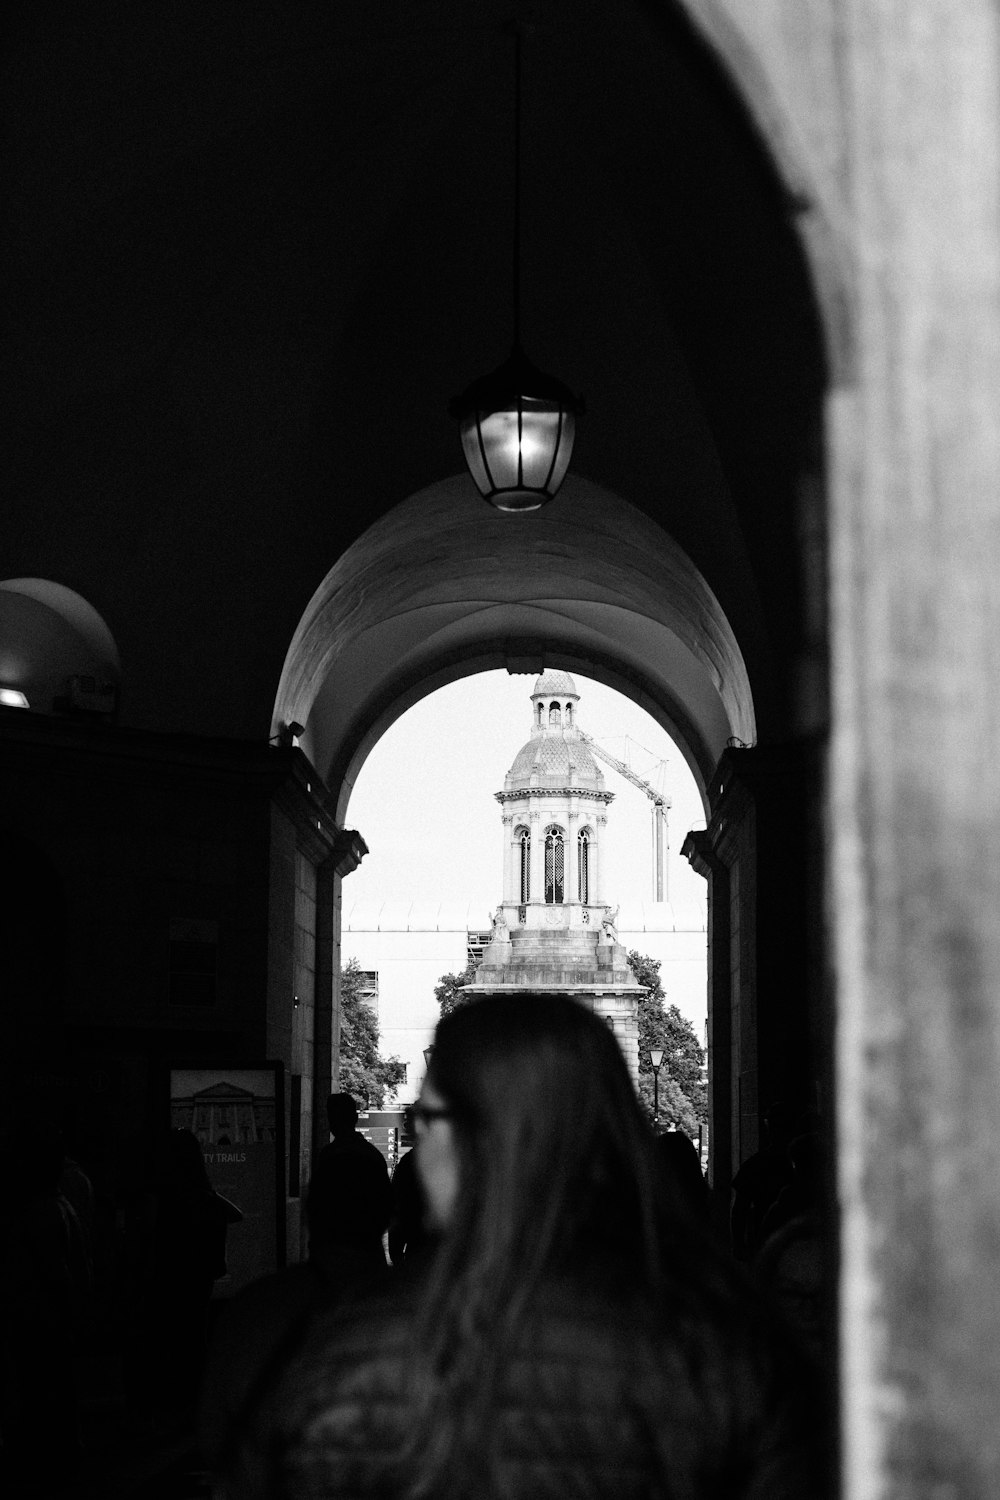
554	929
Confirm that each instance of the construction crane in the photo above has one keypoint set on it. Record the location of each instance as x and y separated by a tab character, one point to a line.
659	810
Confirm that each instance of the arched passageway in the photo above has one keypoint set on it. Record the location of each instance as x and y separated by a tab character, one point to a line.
251	261
441	587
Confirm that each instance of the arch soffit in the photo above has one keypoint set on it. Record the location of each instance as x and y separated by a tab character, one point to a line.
49	635
75	612
443	586
818	219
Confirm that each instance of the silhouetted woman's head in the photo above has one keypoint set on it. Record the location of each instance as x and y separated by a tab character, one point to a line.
539	1168
532	1148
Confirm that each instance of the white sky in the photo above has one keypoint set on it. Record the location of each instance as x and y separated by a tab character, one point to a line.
424	799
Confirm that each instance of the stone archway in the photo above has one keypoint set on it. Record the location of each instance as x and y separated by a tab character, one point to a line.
444	586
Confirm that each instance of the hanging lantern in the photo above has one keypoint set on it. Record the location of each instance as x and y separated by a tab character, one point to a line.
517	428
517	424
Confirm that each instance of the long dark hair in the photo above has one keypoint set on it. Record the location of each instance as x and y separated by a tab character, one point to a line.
559	1177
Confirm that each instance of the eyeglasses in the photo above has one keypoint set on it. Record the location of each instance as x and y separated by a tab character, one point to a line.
423	1114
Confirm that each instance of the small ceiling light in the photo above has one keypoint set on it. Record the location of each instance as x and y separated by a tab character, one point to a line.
517	424
13	698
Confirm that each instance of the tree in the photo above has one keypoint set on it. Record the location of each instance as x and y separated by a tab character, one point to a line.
364	1073
683	1092
447	991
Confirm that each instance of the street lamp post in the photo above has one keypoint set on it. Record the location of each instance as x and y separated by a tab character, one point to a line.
656	1057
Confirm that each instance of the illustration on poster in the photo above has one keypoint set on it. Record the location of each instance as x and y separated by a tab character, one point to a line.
235	1113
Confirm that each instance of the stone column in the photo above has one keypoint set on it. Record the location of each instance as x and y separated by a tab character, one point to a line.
348	851
572	819
697	848
596	883
915	808
537	828
511	885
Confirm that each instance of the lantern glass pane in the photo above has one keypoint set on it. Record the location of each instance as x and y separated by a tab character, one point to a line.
543	447
539	438
565	451
473	456
499	431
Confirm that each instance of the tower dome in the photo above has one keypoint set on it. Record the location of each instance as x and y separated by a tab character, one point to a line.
556	753
555	684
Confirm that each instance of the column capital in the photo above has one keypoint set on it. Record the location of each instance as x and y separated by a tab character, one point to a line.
349	849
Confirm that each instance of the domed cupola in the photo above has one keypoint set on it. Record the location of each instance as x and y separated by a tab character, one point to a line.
554	804
554	698
556	756
554	931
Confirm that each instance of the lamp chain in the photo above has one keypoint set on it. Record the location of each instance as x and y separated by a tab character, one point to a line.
515	26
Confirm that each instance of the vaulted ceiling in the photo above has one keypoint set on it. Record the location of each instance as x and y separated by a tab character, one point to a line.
254	249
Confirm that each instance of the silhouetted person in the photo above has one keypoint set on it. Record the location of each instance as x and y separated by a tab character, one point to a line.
791	1262
573	1333
407	1230
791	1269
679	1157
349	1200
47	1297
759	1181
802	1193
187	1255
347	1210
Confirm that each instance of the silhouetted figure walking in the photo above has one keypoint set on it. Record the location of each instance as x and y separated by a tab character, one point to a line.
407	1230
792	1263
679	1158
349	1200
186	1256
347	1210
759	1181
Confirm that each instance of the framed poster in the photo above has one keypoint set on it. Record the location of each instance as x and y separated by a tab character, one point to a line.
238	1116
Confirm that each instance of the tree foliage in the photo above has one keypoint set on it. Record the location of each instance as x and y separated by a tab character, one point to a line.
447	991
364	1073
683	1091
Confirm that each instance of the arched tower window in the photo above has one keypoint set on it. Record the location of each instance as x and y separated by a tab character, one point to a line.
540	713
555	865
569	713
523	838
583	866
554	715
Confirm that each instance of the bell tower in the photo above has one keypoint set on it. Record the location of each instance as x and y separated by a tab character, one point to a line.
554	810
554	929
